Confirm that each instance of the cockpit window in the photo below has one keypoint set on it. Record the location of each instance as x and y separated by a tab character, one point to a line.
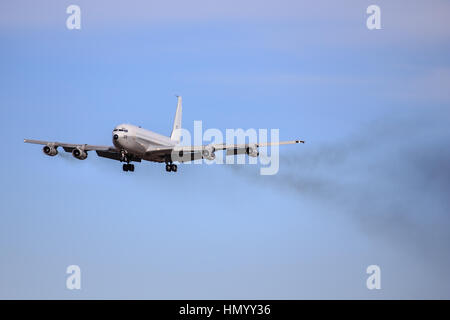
124	130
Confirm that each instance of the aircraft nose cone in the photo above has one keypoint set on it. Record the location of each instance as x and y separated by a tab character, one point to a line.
115	137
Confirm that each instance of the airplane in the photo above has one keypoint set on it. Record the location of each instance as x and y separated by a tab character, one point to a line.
134	144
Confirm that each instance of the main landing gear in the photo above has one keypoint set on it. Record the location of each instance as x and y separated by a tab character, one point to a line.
128	167
171	167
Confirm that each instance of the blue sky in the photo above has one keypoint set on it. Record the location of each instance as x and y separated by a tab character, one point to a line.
369	187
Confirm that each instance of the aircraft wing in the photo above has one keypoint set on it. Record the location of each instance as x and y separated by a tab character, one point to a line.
235	149
109	152
190	153
68	147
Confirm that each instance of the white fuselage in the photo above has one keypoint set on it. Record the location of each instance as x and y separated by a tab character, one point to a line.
138	141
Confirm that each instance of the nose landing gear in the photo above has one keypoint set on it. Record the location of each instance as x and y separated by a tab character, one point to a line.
124	157
128	167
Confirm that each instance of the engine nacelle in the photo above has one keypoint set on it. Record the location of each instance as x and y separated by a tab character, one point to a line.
208	153
252	151
79	153
50	150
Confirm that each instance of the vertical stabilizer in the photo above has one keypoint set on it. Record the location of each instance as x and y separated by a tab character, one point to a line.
176	131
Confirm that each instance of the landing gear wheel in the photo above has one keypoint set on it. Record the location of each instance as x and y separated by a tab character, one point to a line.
168	167
174	167
128	167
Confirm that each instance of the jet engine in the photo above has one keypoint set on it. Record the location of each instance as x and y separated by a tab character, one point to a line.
208	153
79	154
252	151
50	150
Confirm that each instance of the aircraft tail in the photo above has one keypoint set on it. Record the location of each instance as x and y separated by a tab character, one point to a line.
176	131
